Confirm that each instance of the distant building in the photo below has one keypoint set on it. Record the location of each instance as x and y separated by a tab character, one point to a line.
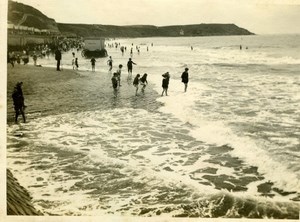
20	35
94	43
21	29
94	47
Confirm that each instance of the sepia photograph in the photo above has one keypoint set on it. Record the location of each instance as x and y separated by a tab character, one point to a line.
150	110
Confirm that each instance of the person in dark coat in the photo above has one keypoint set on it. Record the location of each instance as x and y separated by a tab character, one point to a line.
185	78
93	62
18	100
58	58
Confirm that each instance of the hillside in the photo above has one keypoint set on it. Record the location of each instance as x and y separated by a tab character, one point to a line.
151	31
21	14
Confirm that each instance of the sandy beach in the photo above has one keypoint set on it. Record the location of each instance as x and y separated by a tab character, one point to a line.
50	92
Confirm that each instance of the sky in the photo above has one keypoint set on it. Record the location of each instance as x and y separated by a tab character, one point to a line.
258	16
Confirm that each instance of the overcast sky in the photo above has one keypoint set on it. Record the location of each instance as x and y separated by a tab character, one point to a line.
258	16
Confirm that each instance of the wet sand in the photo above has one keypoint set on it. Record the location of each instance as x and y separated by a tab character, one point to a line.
50	92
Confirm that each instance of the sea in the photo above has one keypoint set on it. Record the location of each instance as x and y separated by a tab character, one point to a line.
229	147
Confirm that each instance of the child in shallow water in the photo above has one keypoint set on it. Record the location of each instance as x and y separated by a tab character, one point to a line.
136	82
144	82
165	83
114	81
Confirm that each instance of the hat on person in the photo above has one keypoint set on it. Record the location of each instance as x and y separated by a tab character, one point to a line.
186	69
166	74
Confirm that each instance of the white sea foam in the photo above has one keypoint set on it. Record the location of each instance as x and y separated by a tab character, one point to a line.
243	99
220	83
219	133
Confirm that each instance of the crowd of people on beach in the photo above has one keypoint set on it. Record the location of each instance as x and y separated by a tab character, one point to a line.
18	98
22	54
139	82
116	78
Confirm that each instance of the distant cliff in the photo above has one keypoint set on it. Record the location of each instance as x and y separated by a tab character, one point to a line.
23	15
151	31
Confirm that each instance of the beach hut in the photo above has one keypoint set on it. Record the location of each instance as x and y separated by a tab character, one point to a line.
94	47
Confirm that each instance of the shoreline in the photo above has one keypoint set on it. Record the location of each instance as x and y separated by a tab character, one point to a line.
77	92
45	85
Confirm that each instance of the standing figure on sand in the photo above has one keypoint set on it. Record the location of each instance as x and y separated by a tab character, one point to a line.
136	82
11	58
18	99
34	59
129	66
185	78
73	63
57	58
76	63
165	83
93	62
